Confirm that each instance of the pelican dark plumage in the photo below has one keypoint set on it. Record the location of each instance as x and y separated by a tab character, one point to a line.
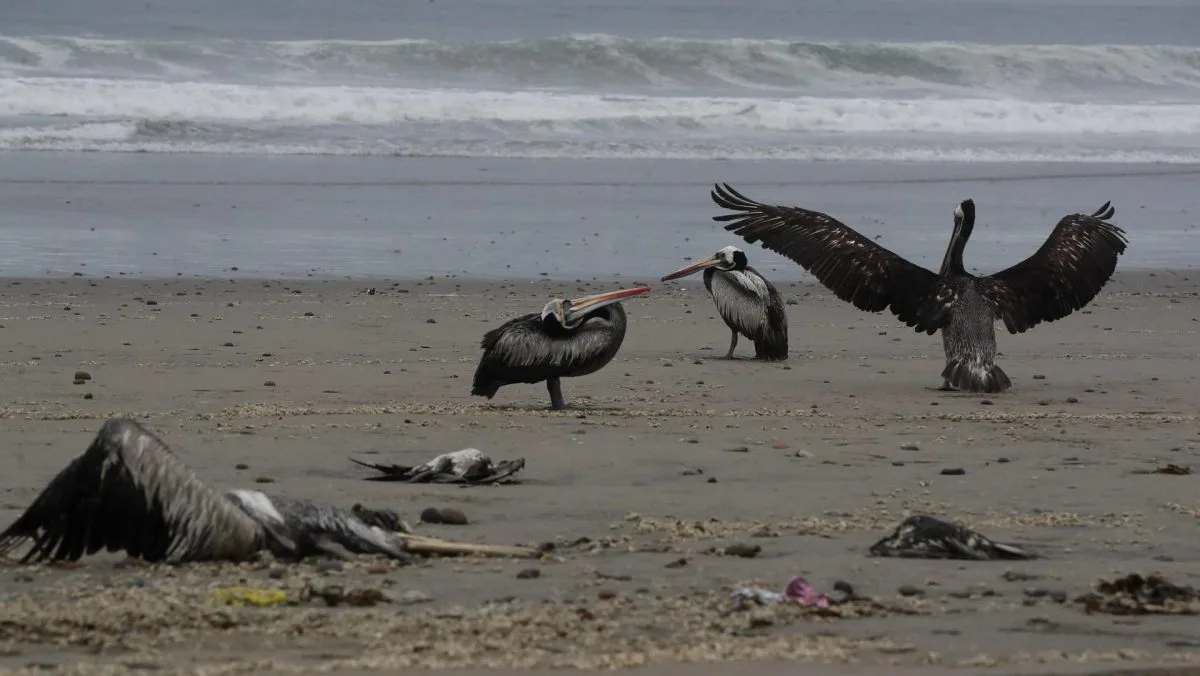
1064	275
567	339
128	492
747	302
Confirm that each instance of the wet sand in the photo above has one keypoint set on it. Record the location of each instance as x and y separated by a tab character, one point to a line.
666	456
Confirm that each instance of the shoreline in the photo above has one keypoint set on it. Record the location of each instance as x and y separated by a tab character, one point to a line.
1123	274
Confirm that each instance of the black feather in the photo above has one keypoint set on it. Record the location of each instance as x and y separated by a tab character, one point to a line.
853	267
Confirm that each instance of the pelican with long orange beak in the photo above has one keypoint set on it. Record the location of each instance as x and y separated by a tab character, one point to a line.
747	302
567	339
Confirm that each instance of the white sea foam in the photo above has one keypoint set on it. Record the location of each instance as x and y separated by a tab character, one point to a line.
606	62
601	96
143	100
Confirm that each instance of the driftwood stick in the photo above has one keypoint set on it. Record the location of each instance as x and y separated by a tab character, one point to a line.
420	544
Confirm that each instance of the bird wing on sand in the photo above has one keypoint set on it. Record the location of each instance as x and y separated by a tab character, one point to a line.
1062	276
467	466
128	492
856	269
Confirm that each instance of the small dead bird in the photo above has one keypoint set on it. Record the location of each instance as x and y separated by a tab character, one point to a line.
925	537
468	466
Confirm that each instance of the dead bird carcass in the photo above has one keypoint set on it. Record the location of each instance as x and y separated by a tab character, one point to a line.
469	466
128	492
925	537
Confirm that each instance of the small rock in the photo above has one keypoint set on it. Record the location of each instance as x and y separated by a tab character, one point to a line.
453	517
431	515
308	314
953	471
82	375
1039	376
241	465
738	449
329	567
227	345
1072	400
910	590
910	446
411	597
529	574
431	321
606	594
677	563
88	395
263	480
77	381
742	550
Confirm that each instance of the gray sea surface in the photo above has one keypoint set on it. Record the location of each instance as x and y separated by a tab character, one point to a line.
521	137
168	215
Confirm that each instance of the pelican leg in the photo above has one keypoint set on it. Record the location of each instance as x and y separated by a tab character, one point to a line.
732	345
556	399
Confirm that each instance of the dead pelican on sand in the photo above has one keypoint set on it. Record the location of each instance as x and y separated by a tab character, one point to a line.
128	492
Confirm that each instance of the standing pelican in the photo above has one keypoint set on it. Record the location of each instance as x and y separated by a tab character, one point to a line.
128	492
747	302
568	338
1062	276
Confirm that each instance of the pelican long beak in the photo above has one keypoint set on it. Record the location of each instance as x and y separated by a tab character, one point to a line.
694	267
601	299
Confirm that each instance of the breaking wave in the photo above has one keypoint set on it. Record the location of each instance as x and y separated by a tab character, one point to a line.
608	62
603	96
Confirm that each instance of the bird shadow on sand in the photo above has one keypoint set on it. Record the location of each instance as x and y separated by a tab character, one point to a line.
961	394
543	408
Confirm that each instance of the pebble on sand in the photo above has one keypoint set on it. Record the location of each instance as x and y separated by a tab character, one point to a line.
82	375
742	550
447	515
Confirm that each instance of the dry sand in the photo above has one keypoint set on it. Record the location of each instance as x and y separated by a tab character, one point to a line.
667	453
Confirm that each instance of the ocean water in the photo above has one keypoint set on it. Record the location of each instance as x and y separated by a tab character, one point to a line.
287	137
923	80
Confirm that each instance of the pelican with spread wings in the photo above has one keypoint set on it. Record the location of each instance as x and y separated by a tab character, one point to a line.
1064	275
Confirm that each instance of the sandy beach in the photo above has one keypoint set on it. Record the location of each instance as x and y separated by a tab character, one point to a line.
665	457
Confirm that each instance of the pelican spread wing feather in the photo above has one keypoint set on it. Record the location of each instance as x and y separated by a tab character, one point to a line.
1062	276
853	267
